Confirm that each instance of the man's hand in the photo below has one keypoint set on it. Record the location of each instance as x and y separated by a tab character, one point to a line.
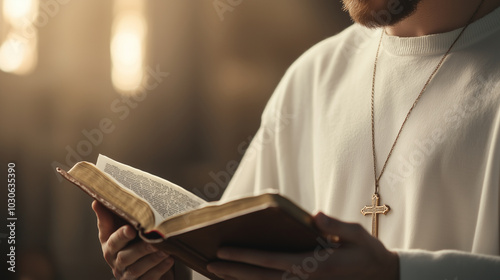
360	256
127	257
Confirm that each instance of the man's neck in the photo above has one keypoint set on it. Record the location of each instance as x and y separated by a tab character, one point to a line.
438	16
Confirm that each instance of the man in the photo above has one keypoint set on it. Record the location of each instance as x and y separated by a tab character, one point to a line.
402	120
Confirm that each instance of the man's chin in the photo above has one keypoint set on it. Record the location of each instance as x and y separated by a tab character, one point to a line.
379	13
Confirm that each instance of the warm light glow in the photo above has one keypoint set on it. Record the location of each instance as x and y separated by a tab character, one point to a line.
18	51
127	48
11	58
17	56
20	12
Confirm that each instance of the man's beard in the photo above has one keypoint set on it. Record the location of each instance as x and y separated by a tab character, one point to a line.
379	13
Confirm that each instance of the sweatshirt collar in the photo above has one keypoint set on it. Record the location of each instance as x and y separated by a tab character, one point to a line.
439	43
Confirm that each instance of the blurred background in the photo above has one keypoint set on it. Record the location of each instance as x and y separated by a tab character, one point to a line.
172	87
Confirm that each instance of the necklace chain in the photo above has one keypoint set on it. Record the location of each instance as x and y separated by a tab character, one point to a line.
377	178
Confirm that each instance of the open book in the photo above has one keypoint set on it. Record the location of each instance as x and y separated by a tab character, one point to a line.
188	227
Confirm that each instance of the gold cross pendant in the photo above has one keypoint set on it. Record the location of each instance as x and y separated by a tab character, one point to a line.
374	210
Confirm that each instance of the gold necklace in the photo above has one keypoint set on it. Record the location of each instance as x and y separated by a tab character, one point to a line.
375	209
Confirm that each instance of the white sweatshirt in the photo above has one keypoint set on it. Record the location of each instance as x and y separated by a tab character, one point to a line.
442	181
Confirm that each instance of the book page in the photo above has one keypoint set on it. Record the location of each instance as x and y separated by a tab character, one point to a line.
166	198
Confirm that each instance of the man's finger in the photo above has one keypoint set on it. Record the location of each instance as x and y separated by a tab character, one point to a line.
132	253
116	242
152	266
120	238
107	221
347	232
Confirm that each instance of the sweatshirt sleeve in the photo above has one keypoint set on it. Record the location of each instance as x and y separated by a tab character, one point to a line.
447	265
